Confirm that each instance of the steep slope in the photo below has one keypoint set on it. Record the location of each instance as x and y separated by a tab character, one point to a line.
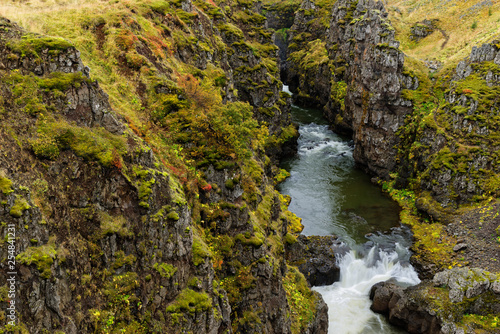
154	211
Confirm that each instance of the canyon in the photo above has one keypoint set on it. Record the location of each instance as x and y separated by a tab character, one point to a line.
140	144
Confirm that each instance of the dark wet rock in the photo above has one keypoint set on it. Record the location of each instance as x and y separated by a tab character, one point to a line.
315	258
439	305
395	303
320	323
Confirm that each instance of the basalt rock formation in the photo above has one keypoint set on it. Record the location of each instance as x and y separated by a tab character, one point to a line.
367	60
172	225
453	297
315	258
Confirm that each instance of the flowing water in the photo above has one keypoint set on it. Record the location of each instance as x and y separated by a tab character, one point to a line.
333	197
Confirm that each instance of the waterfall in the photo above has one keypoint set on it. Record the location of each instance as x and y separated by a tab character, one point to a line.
348	302
333	197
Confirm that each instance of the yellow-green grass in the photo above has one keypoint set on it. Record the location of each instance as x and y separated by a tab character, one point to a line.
464	26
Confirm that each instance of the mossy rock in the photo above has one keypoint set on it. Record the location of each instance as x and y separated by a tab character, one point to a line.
5	185
32	45
189	301
165	270
20	205
42	257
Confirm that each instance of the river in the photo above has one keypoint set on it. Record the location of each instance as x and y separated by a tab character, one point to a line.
333	197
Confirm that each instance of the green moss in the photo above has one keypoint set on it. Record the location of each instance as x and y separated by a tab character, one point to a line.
194	282
230	184
121	286
161	7
200	250
301	299
144	184
4	293
173	215
290	239
487	322
5	185
32	45
312	56
114	225
190	301
187	17
92	144
255	240
62	81
25	92
121	260
20	205
165	270
41	256
45	146
281	176
231	31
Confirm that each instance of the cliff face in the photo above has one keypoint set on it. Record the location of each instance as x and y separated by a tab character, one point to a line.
158	215
102	231
457	159
353	66
308	71
366	59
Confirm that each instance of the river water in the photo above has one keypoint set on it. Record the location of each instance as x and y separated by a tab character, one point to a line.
333	197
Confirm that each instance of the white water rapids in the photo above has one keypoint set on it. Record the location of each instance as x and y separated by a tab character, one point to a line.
348	303
333	197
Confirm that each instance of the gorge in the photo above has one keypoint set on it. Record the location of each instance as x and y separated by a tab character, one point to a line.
140	151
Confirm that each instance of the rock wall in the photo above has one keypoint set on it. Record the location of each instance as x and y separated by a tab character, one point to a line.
88	234
442	305
307	71
458	157
112	236
367	61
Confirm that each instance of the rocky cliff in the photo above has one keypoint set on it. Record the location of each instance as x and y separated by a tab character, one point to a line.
453	302
149	208
366	59
308	71
456	152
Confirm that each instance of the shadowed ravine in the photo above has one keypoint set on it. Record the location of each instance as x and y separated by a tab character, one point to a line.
333	197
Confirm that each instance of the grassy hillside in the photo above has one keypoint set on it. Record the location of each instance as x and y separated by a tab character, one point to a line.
460	25
199	86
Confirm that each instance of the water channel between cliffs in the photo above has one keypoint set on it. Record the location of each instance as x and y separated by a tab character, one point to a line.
333	197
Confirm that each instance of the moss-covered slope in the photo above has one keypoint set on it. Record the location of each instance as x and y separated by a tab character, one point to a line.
140	187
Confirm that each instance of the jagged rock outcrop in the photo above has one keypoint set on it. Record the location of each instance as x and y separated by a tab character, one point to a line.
315	258
423	29
367	61
458	148
112	236
307	68
443	304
